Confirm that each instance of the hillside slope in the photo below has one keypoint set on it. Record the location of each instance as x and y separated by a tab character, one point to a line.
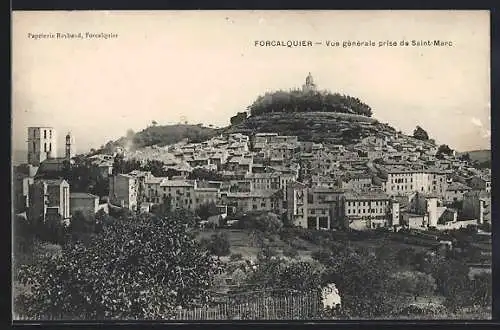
167	134
329	127
478	155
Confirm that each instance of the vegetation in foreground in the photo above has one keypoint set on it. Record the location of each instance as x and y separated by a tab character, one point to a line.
144	267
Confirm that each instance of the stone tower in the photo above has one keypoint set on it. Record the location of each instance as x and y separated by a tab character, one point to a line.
41	144
69	147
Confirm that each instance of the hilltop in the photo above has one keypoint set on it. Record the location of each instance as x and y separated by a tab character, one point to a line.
331	127
325	127
310	114
162	135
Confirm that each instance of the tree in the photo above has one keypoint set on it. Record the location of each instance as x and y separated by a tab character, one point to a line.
219	244
465	157
156	167
278	273
206	210
154	123
406	257
304	101
420	134
290	252
444	150
136	268
81	228
452	279
118	164
414	283
364	285
268	222
238	118
482	289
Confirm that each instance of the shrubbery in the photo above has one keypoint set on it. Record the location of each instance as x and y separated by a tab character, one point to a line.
299	101
218	244
134	269
290	252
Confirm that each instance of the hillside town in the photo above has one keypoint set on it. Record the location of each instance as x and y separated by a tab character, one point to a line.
392	181
387	182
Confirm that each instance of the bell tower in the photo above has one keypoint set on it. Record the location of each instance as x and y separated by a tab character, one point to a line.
309	85
69	147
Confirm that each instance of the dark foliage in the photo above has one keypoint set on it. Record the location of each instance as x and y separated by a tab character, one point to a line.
420	134
138	268
299	101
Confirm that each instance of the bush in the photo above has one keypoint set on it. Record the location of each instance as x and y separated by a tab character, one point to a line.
290	252
219	245
236	256
323	256
133	269
298	244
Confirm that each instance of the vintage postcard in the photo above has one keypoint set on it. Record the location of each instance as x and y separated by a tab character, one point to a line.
251	165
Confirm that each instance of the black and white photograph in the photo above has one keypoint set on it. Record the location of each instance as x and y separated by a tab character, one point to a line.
251	165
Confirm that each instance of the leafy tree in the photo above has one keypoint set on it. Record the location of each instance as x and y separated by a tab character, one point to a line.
137	268
420	134
406	257
290	252
300	101
465	157
81	228
364	285
415	283
278	273
219	244
301	275
444	149
452	279
156	167
101	216
238	118
206	210
266	222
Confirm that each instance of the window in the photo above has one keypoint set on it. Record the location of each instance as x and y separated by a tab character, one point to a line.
50	146
44	133
45	147
34	146
50	134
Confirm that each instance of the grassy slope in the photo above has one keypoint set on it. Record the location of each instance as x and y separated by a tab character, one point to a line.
479	155
169	134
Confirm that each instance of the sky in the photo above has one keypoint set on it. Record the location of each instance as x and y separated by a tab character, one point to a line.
204	67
